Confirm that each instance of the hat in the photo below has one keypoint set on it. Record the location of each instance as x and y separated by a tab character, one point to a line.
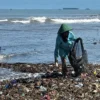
63	28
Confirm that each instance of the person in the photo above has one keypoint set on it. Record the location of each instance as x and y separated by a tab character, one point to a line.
64	42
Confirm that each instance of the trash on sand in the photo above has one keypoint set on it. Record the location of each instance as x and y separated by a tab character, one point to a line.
1	92
54	86
79	85
95	73
84	87
84	75
8	86
26	89
78	79
46	97
43	89
98	75
14	82
23	94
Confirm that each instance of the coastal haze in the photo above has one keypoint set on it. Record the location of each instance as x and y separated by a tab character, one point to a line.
29	35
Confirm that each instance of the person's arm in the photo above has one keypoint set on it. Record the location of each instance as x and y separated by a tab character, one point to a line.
56	50
72	37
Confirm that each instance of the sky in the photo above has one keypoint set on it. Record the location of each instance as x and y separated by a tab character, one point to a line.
49	4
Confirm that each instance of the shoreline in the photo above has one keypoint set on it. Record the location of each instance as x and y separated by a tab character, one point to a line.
37	67
84	87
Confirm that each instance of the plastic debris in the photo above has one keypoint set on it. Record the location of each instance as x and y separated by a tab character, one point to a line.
51	87
43	89
78	79
23	94
26	89
79	85
95	73
7	86
46	97
84	75
1	92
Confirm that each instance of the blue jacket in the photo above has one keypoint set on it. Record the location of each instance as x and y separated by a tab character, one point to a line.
63	48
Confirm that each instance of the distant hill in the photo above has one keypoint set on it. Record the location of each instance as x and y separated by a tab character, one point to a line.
87	9
70	8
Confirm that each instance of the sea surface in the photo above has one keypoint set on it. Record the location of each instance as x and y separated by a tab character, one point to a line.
29	36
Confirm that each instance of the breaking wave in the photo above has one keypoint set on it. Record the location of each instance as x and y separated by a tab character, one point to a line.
4	56
49	20
7	56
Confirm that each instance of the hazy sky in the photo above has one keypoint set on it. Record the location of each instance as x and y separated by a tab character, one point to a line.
49	4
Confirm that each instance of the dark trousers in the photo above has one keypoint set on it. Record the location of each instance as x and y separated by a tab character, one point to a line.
64	67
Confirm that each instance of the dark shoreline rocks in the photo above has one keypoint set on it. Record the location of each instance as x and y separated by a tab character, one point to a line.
84	87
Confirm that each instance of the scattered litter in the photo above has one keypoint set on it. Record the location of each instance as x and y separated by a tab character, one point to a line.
50	85
79	85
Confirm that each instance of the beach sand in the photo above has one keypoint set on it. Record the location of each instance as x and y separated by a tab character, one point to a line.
84	87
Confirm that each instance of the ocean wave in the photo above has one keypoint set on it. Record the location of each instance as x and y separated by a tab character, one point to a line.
4	56
21	21
76	20
7	56
38	19
49	20
3	20
6	74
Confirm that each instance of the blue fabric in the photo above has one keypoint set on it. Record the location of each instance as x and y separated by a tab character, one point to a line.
63	48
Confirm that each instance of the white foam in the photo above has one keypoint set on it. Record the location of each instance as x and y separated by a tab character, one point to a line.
4	20
75	20
21	21
53	20
38	19
9	74
2	57
7	56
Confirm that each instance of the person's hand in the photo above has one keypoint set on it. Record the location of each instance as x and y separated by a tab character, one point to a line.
77	40
56	64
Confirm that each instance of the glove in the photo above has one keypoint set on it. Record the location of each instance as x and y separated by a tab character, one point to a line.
56	64
77	40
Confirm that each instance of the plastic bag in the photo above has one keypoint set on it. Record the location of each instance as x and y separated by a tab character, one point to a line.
78	56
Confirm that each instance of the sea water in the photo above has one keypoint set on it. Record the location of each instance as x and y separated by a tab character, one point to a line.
29	35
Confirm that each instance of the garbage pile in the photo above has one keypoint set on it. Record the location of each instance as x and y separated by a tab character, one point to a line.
51	85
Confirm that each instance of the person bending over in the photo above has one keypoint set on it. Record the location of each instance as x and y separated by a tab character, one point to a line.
64	42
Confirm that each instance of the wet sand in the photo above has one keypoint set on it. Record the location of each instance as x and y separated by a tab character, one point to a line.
84	87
